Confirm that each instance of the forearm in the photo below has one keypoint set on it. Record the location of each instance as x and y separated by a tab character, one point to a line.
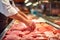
19	17
29	23
23	14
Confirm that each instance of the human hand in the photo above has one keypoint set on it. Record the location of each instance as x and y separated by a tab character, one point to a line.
31	26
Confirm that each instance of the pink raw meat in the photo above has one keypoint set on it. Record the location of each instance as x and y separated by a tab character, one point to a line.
18	33
20	26
12	37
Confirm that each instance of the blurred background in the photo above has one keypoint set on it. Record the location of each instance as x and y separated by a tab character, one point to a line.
47	7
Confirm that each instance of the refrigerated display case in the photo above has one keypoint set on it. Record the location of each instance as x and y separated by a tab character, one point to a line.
53	19
19	31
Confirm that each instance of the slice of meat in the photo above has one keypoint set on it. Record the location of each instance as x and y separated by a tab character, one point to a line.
18	33
56	31
50	28
42	29
41	38
53	38
20	26
57	35
12	37
27	37
49	34
26	32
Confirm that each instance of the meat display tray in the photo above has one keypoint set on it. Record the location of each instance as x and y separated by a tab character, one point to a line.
9	26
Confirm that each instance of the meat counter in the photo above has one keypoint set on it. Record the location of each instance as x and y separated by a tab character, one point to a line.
19	31
53	19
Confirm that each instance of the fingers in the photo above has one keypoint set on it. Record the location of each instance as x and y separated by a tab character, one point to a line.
32	26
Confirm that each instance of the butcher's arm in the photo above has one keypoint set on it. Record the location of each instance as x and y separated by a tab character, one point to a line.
23	14
20	12
30	24
12	13
20	18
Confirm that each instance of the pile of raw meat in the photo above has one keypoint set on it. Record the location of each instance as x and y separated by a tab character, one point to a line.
42	31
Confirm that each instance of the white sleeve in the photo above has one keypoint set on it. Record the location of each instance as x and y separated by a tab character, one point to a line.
17	9
11	10
13	4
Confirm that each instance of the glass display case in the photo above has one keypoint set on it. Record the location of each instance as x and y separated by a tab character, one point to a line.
53	19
